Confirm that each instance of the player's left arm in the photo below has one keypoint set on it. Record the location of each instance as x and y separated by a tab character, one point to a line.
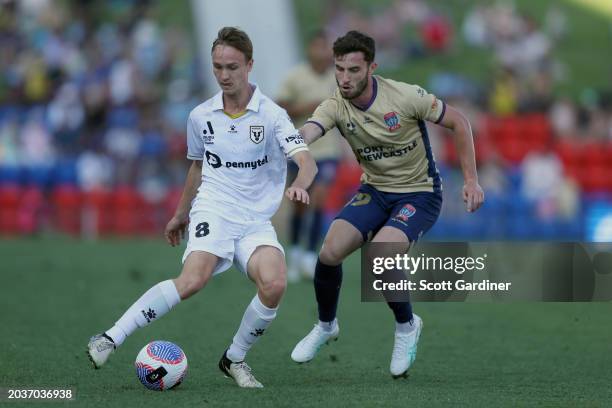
473	195
306	174
292	143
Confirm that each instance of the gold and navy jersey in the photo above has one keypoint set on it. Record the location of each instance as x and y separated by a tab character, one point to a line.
388	136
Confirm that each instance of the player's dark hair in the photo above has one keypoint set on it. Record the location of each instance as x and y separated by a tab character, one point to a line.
235	37
354	41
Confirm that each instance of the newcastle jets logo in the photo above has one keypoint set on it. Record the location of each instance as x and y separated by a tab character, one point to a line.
256	134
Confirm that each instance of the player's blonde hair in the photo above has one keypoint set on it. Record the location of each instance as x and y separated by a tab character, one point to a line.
236	38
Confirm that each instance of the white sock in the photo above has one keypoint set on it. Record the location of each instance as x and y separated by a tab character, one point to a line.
155	303
405	328
257	317
328	326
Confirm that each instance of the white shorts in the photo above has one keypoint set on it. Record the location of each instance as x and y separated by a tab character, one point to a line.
230	240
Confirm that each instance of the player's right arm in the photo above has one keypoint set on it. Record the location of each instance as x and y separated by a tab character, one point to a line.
175	229
310	132
322	120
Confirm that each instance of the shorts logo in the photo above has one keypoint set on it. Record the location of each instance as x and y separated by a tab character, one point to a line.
360	199
406	212
256	134
392	121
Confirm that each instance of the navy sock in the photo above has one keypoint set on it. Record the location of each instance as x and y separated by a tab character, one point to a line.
327	282
296	226
402	311
315	230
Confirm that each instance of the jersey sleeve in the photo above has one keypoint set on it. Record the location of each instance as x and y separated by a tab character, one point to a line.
422	105
288	137
325	115
195	145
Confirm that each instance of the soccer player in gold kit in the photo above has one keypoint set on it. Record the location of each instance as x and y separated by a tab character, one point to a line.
400	196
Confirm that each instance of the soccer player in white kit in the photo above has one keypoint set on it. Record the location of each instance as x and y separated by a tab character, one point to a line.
239	142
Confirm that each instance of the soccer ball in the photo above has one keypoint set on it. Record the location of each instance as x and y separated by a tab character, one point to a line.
161	365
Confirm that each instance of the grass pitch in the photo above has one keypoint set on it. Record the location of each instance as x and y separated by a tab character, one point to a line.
55	293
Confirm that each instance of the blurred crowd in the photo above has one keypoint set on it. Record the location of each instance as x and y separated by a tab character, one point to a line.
525	66
543	159
96	94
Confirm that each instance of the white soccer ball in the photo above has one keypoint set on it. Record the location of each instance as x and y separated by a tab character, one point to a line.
161	365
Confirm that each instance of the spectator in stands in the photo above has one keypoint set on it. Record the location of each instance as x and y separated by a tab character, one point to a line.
304	88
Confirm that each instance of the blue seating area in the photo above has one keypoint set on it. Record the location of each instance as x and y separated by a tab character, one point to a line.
63	172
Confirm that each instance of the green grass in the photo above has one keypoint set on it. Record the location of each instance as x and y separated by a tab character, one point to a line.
57	292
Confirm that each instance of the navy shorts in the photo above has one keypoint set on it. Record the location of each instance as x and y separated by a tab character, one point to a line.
413	213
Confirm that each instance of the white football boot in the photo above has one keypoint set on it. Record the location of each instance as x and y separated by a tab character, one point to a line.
405	349
307	348
99	349
240	372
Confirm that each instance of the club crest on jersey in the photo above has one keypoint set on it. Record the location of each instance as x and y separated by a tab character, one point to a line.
256	134
406	212
392	121
350	127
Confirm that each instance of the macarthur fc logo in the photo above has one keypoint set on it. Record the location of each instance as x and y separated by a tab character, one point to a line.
256	134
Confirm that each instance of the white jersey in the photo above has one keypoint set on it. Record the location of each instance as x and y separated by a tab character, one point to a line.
244	158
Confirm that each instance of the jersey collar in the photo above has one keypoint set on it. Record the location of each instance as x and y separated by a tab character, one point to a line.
253	104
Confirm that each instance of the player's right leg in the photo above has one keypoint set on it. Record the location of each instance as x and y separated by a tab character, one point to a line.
154	303
341	240
357	222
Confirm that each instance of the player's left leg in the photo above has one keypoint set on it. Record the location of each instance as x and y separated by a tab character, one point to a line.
355	224
209	251
261	256
407	325
412	215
